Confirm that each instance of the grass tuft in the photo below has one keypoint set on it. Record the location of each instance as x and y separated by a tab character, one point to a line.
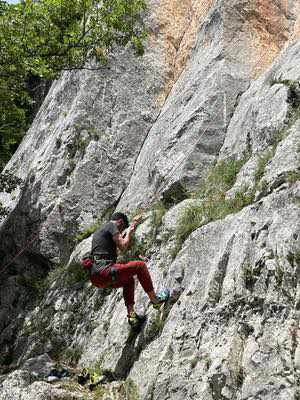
88	232
213	204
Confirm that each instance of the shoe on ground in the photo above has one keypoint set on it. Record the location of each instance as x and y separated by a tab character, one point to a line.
162	297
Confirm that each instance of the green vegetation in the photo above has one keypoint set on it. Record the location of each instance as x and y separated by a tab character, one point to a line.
194	362
266	156
286	82
130	390
32	284
262	163
87	232
39	39
297	257
279	275
156	326
293	177
251	273
75	273
136	251
126	390
205	358
72	355
157	212
240	376
293	99
248	274
212	203
215	206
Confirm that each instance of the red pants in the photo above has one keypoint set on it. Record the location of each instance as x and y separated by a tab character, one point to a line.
125	278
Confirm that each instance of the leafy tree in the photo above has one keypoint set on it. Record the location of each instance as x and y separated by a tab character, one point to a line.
39	39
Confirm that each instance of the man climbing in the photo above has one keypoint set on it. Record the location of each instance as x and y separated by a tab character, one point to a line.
105	272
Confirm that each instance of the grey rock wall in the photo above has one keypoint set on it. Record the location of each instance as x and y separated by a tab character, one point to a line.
230	50
232	330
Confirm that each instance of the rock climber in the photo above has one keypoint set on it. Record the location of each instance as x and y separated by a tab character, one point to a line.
106	272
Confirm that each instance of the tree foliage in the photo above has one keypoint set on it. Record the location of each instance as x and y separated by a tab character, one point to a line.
39	39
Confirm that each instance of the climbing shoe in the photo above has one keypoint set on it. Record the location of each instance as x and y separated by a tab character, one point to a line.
162	297
95	380
135	320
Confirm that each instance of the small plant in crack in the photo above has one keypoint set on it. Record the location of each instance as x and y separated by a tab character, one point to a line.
263	160
240	377
156	326
248	275
293	177
279	275
72	355
207	361
194	362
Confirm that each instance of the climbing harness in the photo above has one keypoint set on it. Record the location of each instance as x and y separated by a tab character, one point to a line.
95	264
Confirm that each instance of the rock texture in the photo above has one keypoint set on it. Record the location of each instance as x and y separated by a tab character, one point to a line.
235	43
219	81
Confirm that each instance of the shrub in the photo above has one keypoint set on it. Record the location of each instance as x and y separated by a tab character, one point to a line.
72	355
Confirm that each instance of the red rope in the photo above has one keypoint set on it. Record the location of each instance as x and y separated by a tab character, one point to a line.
18	254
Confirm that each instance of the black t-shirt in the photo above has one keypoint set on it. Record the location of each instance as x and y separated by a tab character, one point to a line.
103	244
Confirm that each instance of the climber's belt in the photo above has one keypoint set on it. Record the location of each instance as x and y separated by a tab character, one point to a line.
99	265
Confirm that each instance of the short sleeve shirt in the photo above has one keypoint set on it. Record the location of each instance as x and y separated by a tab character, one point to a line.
103	243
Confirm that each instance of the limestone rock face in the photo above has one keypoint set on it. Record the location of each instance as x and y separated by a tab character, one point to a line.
238	305
219	81
234	44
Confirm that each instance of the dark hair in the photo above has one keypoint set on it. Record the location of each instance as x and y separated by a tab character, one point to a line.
119	215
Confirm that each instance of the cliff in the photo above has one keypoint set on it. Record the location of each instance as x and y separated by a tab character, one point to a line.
213	107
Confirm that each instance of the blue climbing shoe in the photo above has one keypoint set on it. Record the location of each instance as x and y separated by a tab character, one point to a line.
162	297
